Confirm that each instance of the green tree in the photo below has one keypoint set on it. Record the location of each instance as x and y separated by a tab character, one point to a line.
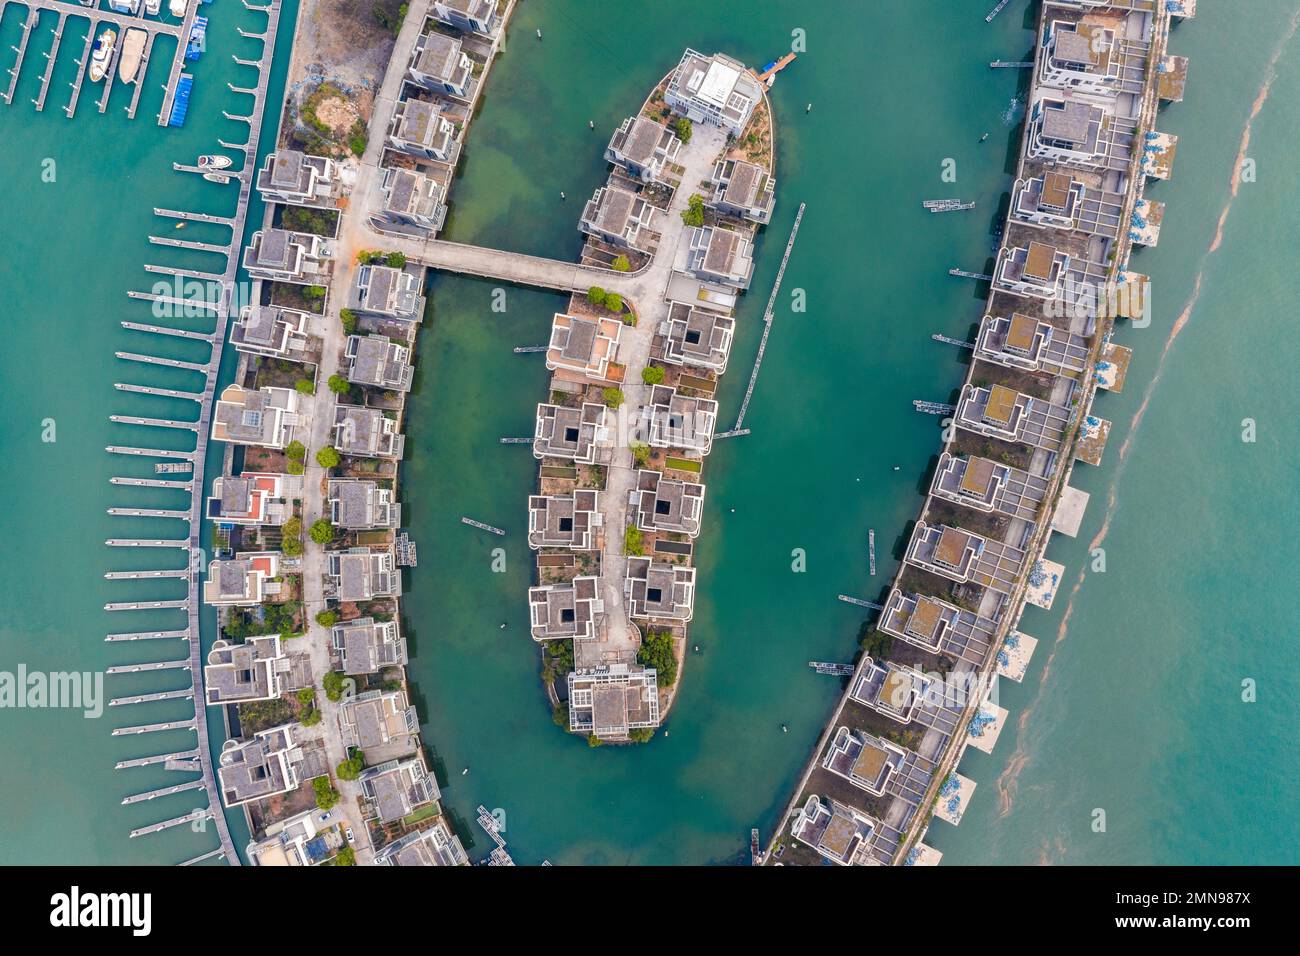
683	129
327	457
652	375
596	295
351	768
306	696
693	214
327	618
291	537
339	385
314	292
349	320
345	857
295	451
560	715
306	386
326	796
614	302
333	684
633	546
621	264
874	643
321	531
396	259
594	741
657	651
309	717
641	735
613	397
640	453
295	468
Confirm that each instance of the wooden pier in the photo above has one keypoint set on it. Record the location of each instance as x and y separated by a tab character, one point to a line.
860	602
832	670
871	550
481	526
996	10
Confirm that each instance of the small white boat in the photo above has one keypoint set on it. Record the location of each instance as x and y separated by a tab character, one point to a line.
177	7
152	7
102	53
128	64
214	162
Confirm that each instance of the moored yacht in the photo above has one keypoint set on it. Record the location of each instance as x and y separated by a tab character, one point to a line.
101	54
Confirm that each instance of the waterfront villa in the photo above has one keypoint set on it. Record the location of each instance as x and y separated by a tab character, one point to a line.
471	16
366	433
742	189
1036	270
433	846
380	723
301	258
1054	199
261	767
395	789
292	177
672	420
962	556
564	521
243	581
265	417
1002	412
893	690
420	129
720	255
716	89
1090	58
1024	342
562	611
579	434
699	338
840	833
1078	133
378	361
584	346
657	591
664	504
386	292
361	574
356	504
269	330
253	499
296	841
438	63
865	761
413	199
642	148
365	645
988	485
621	218
937	626
237	673
609	702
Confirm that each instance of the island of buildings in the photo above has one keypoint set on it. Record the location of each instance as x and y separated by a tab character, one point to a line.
887	763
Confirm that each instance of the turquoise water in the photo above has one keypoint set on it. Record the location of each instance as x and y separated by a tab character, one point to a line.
1140	712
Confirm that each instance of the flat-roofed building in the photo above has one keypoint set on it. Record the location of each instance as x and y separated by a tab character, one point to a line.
1002	412
1090	58
265	416
435	845
720	255
697	338
863	760
413	199
1037	270
891	689
562	611
937	626
362	574
296	841
472	16
1024	342
611	701
578	434
242	581
270	330
673	420
962	556
360	505
365	646
1077	133
583	345
665	504
236	673
386	292
292	177
300	258
989	486
621	218
657	591
713	89
564	521
643	147
253	498
263	766
419	128
366	433
396	788
1056	200
839	833
439	63
378	361
379	723
742	189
